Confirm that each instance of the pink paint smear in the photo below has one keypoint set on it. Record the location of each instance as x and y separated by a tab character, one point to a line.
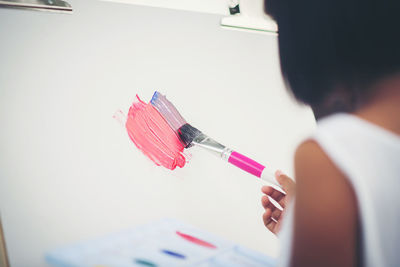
195	240
153	136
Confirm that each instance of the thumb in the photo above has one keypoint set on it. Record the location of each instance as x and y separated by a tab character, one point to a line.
286	183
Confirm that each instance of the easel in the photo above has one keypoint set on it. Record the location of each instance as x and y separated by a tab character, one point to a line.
3	251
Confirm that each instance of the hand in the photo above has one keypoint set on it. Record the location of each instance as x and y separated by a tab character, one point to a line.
273	215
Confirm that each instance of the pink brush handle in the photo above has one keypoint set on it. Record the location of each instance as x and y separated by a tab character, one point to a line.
251	166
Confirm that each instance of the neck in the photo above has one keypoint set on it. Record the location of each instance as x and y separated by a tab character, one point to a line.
383	108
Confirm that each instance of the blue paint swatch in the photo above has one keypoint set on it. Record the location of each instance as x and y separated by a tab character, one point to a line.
173	254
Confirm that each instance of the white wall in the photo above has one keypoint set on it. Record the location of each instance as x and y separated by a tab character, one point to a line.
203	6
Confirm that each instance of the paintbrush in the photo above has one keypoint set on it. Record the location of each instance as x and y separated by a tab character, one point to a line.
190	136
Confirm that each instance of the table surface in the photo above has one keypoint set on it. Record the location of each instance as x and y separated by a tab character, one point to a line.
68	170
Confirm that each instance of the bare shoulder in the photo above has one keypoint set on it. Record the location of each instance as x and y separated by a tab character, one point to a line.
325	211
312	165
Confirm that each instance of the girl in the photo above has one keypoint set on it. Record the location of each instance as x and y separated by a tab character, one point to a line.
341	57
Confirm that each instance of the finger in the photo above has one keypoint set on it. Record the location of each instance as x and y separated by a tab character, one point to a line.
268	221
266	203
272	192
268	190
276	214
284	180
278	226
288	185
278	196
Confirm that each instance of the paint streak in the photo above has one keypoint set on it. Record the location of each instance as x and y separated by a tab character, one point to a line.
145	262
173	254
195	240
153	136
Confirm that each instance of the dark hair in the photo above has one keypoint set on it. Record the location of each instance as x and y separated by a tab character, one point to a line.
334	50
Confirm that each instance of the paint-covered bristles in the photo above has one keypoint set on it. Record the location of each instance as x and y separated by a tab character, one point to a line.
187	133
168	111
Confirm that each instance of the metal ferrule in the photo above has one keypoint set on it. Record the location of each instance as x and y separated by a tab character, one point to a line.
213	146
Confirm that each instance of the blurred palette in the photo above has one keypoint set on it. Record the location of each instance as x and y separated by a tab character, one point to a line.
163	243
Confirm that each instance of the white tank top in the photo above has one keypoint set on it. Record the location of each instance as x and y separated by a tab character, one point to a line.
369	156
